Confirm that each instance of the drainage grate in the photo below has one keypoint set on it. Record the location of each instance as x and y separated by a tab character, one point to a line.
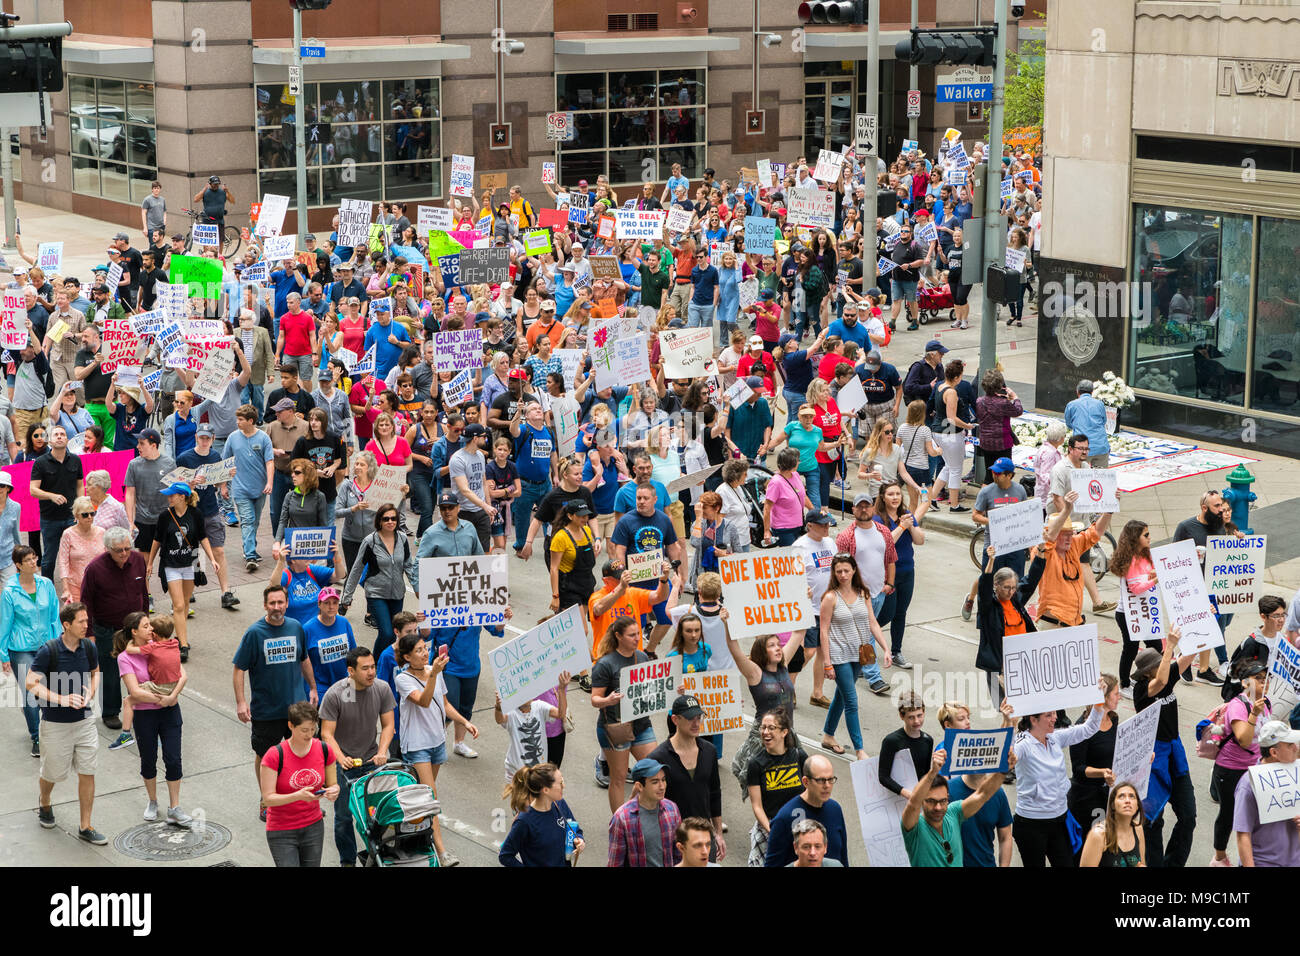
164	843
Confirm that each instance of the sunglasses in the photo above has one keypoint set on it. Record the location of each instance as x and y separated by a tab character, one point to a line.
86	514
388	518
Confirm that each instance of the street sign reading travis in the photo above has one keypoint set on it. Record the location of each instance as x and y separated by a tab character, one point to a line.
484	265
968	84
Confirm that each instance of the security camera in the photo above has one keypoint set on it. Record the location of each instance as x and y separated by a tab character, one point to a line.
1017	10
772	39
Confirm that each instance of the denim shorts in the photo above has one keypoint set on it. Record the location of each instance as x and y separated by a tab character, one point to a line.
902	291
433	755
813	636
646	736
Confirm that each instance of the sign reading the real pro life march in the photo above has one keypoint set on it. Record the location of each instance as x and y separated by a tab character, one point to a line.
767	592
528	666
1051	670
976	751
649	688
1232	569
464	591
1185	599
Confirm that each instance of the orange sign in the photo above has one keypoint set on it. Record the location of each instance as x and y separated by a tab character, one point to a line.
1023	137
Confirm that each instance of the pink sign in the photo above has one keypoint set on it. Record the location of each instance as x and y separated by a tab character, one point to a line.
114	462
467	237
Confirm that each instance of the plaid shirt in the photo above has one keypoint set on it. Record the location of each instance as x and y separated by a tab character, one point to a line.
626	846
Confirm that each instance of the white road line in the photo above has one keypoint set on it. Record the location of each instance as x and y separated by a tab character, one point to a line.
955	637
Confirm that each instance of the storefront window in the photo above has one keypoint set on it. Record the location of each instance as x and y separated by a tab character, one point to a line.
112	137
1192	270
378	140
1276	384
626	123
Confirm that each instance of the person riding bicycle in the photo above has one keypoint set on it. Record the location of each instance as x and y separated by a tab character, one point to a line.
214	200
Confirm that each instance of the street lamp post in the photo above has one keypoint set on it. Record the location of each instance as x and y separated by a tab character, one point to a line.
299	127
995	232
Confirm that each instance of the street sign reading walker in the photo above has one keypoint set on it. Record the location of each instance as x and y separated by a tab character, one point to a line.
968	84
865	134
316	51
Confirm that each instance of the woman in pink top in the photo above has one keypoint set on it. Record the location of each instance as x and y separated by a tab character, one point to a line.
785	501
1132	565
1247	711
387	446
80	544
1044	460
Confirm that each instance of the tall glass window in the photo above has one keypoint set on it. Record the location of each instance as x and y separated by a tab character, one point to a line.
112	137
1277	318
630	123
366	139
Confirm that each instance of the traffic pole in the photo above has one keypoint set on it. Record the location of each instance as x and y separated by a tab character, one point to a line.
299	128
995	232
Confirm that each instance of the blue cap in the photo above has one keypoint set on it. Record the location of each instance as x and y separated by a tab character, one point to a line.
1003	466
767	295
645	768
786	339
176	488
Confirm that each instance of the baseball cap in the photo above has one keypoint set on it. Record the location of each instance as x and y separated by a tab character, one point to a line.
284	405
121	237
686	705
214	179
754	381
1276	732
474	431
519	373
816	517
787	338
150	435
548	305
934	345
448	500
176	488
767	295
178	238
577	507
863	499
1003	466
677	323
99	287
874	291
582	182
6	480
325	375
328	594
310	237
205	429
645	768
755	342
568	267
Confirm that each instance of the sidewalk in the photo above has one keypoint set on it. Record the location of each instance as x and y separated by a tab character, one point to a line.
85	240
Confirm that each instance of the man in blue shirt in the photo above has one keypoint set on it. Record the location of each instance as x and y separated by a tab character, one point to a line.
284	280
254	464
675	181
749	427
1086	415
647	528
346	287
849	329
704	301
536	459
389	339
883	388
642	469
814	803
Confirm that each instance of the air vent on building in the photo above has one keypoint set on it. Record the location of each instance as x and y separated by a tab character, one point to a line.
687	12
624	22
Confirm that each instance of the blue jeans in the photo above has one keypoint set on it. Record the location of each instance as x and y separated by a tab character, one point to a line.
21	662
1015	561
699	316
345	831
786	536
383	609
250	515
845	702
827	472
281	485
1017	304
894	612
812	481
253	395
421	501
51	532
330	505
793	400
872	671
521	511
462	692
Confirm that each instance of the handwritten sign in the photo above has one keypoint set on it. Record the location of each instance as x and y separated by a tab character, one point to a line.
646	565
880	811
215	374
548	174
278	248
1143	614
1135	741
198	348
767	592
679	220
578	207
214	473
690	480
605	267
976	751
173	298
270	217
1277	791
1051	670
1232	569
13	321
1015	259
687	353
464	591
309	544
121	344
537	242
1015	527
809	207
387	487
649	688
456	350
49	256
739	393
1098	490
829	166
528	666
433	217
462	175
760	235
719	694
1185	599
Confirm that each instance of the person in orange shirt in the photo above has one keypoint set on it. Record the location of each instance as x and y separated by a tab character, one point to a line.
545	324
617	598
1060	599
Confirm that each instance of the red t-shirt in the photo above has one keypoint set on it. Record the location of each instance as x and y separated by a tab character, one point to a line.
297	331
760	363
766	315
298	772
354	334
826	367
360	395
828	420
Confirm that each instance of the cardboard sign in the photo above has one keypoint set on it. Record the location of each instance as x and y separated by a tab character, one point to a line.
649	688
1051	670
719	693
687	353
528	666
1277	791
434	217
13	321
567	415
487	181
1143	614
880	811
810	207
679	220
462	175
464	591
690	480
309	544
1186	601
1098	490
630	359
215	375
1135	741
645	565
458	350
976	751
459	390
270	215
214	473
1016	527
279	248
1232	569
49	256
387	487
644	224
605	267
739	393
537	242
491	265
767	592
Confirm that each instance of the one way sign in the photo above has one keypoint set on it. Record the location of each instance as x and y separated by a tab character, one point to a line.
865	130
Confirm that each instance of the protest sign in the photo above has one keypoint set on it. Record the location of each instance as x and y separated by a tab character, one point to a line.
309	544
885	266
880	811
277	248
114	462
205	234
600	345
528	666
354	221
462	175
256	274
59	329
738	394
548	174
605	267
171	342
687	353
49	256
114	280
467	591
1277	791
679	219
1185	599
643	224
459	390
748	291
537	242
976	751
760	235
645	565
578	207
387	487
927	233
365	365
567	415
649	688
1016	527
346	356
1232	569
434	217
202	276
214	473
449	266
1007	188
1098	490
851	396
764	170
13	321
490	265
1284	676
1015	259
152	381
215	374
199	347
570	361
810	207
121	344
718	692
461	349
630	360
767	592
829	166
1135	741
270	217
1051	670
1143	615
172	298
716	250
690	480
128	376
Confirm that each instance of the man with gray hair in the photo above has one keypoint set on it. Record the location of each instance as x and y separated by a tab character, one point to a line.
113	585
1087	415
810	842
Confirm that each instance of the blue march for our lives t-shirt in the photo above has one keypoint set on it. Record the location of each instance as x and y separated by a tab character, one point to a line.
328	649
271	655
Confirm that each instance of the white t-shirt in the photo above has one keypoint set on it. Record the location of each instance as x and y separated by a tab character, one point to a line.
1036	224
869	550
714	634
423	728
874	326
527	733
734	507
1060	485
817	564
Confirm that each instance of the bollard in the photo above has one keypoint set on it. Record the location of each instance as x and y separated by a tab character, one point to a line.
1239	496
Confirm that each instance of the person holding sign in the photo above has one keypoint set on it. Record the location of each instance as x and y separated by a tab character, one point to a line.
304	582
850	628
1002	599
617	650
1239	751
305	505
1060	601
1131	563
939	841
1276	843
1092	760
1118	840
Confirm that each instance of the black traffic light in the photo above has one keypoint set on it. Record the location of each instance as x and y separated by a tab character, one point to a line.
29	66
832	11
970	45
309	4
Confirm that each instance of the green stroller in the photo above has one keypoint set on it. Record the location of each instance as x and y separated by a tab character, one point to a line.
394	814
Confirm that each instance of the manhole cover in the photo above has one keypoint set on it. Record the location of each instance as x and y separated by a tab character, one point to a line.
163	843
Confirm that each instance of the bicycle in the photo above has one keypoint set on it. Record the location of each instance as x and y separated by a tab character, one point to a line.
230	236
1102	551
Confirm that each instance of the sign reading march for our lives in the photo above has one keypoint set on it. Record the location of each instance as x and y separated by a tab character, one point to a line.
1284	675
464	591
1182	588
1232	569
760	235
649	688
528	666
1098	490
309	544
206	234
718	692
458	349
1016	527
976	751
1135	741
1277	790
767	592
1051	670
459	390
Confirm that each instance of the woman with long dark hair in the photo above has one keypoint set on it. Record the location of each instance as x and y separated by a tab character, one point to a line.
951	426
1131	563
848	625
1091	761
1118	840
810	289
907	535
390	562
773	778
180	534
616	735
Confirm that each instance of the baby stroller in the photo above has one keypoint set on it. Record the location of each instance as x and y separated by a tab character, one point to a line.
930	299
394	816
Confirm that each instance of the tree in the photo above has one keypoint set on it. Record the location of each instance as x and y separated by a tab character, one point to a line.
1023	104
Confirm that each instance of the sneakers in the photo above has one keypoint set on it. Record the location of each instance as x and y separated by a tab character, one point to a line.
912	327
840	483
36	748
113	723
602	773
1217	862
250	566
179	818
190	613
820	701
1126	692
91	835
901	661
463	749
1209	677
879	687
151	811
1105	607
124	739
185	651
958	509
228	600
46	816
151	607
966	607
233	521
448	859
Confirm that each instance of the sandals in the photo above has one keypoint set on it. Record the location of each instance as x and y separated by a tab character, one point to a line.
833	747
